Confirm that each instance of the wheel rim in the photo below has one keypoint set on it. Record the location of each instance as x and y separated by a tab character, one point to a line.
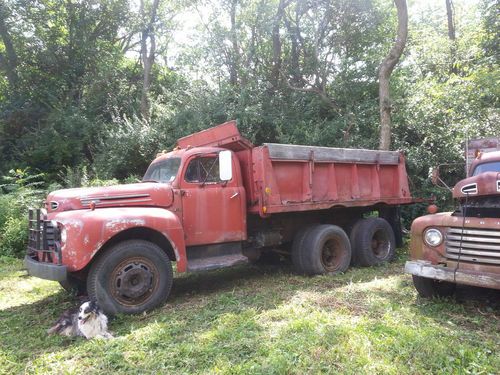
381	244
134	281
331	255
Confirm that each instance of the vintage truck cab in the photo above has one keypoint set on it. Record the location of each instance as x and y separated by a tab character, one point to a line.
461	247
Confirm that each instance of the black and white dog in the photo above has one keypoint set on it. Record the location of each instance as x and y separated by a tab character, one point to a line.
87	321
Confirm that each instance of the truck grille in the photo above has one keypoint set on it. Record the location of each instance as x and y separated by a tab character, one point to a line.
478	245
43	238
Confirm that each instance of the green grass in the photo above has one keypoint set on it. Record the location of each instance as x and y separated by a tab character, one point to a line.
259	320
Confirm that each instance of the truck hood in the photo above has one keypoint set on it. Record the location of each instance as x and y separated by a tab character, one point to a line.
141	194
487	183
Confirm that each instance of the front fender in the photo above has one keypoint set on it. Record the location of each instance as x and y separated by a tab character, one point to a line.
418	248
84	232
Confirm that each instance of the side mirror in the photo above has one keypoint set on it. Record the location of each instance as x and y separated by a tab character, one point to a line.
436	178
225	166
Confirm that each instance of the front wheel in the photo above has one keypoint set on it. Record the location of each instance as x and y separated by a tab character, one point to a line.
131	277
74	285
429	288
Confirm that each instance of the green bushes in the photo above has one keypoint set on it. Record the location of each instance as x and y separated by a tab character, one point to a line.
14	218
14	237
21	189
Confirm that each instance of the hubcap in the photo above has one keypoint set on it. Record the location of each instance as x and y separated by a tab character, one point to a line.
331	255
134	281
380	244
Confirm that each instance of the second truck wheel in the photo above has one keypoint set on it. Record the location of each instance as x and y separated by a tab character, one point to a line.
429	288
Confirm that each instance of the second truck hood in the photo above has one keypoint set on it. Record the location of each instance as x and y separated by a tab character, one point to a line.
487	183
142	194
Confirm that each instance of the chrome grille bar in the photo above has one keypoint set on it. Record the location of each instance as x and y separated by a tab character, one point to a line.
478	245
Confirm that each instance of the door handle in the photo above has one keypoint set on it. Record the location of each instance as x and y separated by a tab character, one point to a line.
234	195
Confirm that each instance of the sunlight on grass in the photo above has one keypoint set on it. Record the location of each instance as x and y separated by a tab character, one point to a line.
17	289
257	321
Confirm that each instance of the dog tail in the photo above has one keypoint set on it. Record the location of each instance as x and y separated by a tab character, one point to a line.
53	330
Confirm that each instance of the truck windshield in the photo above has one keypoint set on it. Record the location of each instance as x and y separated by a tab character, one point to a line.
493	166
162	171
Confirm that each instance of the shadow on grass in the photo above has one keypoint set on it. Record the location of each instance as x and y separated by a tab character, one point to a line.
471	309
197	286
481	297
206	309
23	328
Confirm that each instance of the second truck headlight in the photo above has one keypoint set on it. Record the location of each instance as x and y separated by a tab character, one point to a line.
433	237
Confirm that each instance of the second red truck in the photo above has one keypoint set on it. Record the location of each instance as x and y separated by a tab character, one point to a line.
216	201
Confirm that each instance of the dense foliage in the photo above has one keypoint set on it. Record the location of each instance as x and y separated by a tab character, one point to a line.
291	71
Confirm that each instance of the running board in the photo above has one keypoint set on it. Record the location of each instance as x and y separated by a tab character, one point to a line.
212	263
214	256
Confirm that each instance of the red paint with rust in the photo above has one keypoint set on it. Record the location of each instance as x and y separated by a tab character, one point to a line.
86	231
188	213
471	235
485	182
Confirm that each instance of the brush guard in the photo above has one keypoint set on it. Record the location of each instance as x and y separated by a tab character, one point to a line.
44	258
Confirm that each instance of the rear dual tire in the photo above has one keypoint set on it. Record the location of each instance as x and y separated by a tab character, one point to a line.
373	242
321	249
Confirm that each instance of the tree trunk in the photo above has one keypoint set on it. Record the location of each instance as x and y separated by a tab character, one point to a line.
451	35
451	24
276	69
233	68
294	52
147	56
385	71
8	62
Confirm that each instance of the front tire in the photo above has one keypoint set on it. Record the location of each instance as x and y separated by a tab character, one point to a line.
322	249
430	288
74	285
131	277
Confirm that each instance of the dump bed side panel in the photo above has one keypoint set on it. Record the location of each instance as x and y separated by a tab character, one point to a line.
300	178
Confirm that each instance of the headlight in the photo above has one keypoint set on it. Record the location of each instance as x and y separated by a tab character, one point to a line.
433	237
63	235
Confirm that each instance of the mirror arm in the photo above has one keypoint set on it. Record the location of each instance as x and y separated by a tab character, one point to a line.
444	183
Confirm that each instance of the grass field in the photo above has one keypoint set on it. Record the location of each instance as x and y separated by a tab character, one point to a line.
261	320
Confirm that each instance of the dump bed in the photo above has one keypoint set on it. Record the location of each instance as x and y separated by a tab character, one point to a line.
290	178
286	178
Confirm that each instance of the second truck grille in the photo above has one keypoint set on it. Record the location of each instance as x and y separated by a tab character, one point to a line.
478	245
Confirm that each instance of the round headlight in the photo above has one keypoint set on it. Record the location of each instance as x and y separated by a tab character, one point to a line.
63	235
433	237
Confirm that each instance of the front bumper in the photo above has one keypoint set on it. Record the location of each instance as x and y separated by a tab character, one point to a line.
48	271
426	269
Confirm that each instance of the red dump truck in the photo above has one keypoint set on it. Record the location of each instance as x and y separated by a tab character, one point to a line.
463	246
215	201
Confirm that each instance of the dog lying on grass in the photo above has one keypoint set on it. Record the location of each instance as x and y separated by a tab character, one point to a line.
88	321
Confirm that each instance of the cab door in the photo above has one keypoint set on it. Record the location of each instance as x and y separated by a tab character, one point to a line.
213	211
